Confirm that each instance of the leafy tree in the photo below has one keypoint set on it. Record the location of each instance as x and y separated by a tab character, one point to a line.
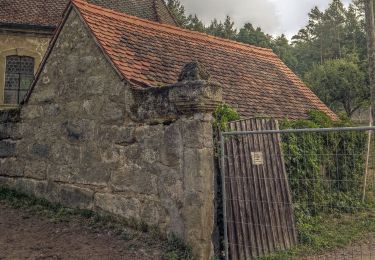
284	50
248	34
341	84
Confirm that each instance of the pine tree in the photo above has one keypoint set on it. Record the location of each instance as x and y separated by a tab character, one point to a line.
229	31
257	37
216	28
193	23
178	11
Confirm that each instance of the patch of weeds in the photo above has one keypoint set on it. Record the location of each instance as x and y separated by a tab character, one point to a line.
323	234
176	249
126	236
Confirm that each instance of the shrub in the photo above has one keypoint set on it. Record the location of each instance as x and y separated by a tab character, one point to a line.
325	169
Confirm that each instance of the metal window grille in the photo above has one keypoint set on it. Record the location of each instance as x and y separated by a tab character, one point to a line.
329	191
19	75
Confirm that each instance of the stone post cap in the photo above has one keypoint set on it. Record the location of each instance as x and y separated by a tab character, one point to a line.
193	71
194	92
196	96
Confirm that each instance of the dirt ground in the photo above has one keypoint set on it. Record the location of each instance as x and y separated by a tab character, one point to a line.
24	236
361	251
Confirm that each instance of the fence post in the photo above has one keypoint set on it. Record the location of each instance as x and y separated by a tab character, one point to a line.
367	157
224	194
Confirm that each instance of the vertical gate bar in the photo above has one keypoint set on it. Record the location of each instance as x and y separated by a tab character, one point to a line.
248	246
253	143
224	196
253	194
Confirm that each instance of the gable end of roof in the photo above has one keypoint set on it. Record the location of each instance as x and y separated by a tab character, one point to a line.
69	9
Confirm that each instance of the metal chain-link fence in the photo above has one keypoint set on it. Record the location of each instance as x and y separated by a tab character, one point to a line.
299	194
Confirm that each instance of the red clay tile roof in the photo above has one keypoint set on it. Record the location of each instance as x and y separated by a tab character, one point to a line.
256	82
32	12
49	12
153	10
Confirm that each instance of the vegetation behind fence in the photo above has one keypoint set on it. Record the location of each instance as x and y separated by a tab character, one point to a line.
326	173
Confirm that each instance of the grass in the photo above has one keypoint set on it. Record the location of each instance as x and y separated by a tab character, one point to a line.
325	233
136	234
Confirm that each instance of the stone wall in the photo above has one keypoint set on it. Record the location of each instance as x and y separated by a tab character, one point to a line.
88	139
22	44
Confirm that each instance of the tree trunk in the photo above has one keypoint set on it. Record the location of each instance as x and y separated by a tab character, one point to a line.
370	30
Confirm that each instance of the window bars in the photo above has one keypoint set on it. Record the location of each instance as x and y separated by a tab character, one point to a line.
19	75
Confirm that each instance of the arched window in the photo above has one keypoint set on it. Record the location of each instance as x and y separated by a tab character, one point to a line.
19	74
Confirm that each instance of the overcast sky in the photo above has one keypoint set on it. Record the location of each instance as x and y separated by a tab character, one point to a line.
273	16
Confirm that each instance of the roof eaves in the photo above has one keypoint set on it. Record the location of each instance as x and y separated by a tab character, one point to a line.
27	26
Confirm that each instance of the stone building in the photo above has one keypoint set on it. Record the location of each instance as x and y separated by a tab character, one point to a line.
119	118
26	27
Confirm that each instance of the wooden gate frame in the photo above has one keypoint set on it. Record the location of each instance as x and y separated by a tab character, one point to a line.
259	125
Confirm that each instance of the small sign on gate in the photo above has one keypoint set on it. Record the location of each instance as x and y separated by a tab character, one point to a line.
257	158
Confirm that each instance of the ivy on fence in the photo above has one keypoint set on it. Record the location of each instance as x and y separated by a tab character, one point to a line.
325	169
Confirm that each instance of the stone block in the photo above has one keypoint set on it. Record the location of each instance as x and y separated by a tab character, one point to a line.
134	178
52	110
29	186
112	112
96	84
6	182
171	146
123	136
95	175
198	167
140	208
7	148
10	115
11	167
196	133
41	150
81	130
93	107
63	153
72	196
128	207
43	95
7	130
62	173
31	112
36	170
